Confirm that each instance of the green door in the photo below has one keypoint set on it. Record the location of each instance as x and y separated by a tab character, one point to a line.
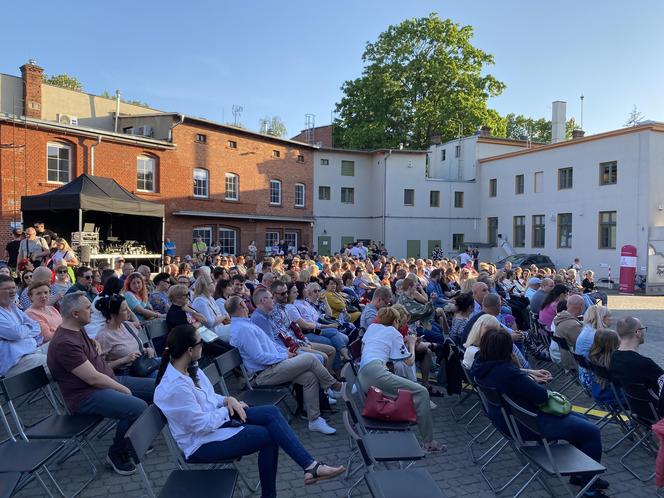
432	244
324	244
345	240
412	248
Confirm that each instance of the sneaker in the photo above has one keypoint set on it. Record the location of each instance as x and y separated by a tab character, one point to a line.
432	405
335	394
121	463
331	401
320	425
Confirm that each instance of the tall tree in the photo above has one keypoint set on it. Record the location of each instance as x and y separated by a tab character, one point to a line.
64	81
275	127
107	95
520	127
634	119
422	76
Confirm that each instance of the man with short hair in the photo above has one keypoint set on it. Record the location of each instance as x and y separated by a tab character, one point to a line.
88	384
533	286
199	249
568	326
272	364
33	248
11	250
266	281
84	283
358	251
465	257
382	297
21	342
127	269
436	289
538	297
159	297
47	235
480	291
144	270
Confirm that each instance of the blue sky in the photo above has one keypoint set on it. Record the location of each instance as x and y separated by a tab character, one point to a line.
289	58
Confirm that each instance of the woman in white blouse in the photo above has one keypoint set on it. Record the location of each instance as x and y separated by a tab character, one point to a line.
204	303
211	428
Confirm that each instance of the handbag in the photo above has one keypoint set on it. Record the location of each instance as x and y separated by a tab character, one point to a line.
557	404
381	407
143	366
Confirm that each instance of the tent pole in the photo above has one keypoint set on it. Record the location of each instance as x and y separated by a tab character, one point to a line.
163	234
80	220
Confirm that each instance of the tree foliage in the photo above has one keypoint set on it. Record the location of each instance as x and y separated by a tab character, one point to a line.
64	81
635	118
422	76
107	95
520	127
275	127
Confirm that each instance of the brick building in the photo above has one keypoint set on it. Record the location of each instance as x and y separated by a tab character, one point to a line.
216	181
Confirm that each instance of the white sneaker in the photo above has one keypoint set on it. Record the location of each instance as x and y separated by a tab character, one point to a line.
335	394
320	425
354	390
432	405
331	401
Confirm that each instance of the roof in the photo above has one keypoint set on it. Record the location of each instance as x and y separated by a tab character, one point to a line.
92	193
374	151
649	126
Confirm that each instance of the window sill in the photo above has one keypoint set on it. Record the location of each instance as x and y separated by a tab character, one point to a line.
235	201
276	205
146	192
300	207
197	198
51	184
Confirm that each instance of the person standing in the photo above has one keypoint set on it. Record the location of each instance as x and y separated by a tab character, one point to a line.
33	248
169	247
11	250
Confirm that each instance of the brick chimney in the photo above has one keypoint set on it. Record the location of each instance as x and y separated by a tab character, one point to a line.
32	85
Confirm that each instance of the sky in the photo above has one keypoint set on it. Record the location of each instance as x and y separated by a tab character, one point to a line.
289	58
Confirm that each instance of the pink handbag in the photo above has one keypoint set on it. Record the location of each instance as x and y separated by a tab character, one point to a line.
382	407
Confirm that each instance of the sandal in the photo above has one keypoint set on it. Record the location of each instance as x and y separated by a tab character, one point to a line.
313	471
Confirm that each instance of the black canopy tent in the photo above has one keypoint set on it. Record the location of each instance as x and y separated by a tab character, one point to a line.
94	199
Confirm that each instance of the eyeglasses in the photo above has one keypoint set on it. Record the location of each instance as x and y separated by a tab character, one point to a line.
62	271
642	328
281	293
197	343
27	276
87	277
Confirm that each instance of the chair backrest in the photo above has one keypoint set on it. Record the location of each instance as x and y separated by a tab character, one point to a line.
642	403
521	416
176	453
212	373
24	382
348	424
156	328
144	431
228	361
355	349
490	398
350	375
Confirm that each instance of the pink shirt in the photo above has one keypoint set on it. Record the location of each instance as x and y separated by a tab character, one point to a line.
547	314
49	319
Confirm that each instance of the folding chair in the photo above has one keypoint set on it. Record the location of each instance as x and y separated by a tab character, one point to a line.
468	392
572	373
191	483
155	329
561	460
642	403
9	483
73	429
475	438
585	364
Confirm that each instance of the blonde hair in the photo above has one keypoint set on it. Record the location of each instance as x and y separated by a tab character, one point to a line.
595	315
202	285
476	331
467	285
387	316
404	316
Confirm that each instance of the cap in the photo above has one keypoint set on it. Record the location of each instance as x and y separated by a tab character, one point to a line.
534	281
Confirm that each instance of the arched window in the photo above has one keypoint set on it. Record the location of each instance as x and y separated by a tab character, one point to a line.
275	192
232	183
299	195
146	173
58	163
201	182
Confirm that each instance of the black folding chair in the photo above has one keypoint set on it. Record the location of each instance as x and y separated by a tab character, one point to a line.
190	483
73	429
572	373
468	393
642	411
9	483
155	329
561	460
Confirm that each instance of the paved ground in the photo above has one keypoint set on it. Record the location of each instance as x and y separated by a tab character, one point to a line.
453	470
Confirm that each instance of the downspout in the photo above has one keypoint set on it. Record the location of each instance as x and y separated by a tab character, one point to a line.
92	155
388	154
117	109
170	131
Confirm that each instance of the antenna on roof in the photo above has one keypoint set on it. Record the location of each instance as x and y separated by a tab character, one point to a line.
582	97
237	111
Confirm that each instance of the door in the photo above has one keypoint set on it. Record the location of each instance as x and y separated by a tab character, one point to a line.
431	245
324	242
412	248
345	240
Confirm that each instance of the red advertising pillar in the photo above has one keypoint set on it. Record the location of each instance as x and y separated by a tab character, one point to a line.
627	269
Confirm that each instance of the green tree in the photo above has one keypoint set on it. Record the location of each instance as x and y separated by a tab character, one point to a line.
107	95
275	127
520	127
64	81
422	76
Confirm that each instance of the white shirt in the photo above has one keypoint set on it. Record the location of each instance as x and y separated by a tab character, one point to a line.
59	255
195	415
97	320
464	257
384	343
208	307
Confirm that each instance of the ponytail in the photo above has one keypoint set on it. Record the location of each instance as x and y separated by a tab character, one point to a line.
165	360
179	340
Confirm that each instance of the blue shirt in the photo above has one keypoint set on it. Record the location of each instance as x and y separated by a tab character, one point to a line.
19	335
434	286
169	248
258	351
263	321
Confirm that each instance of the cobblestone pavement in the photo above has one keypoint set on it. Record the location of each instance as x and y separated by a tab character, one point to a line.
453	470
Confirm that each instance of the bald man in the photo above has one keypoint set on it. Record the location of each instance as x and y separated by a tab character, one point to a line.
480	290
568	326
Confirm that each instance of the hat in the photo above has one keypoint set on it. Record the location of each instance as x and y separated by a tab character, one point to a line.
534	281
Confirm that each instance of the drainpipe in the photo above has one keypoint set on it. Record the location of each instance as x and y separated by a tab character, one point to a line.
388	154
117	109
92	155
170	131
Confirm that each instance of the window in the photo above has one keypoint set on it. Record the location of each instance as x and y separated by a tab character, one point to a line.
539	230
519	184
409	197
275	192
434	198
443	155
291	240
457	151
608	173
539	178
493	187
205	233
228	241
232	144
492	231
299	195
607	229
347	195
58	163
324	193
276	153
458	199
300	158
324	162
271	238
457	241
347	168
200	182
145	177
200	138
519	231
232	184
565	230
565	179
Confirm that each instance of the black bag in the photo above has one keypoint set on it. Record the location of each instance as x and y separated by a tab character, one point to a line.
143	366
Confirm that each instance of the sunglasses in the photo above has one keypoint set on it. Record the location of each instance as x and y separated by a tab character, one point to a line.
197	343
62	271
87	277
281	293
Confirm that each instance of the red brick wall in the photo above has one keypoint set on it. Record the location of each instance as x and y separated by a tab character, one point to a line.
32	82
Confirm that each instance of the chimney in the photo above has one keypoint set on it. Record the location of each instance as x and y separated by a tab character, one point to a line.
485	131
558	121
578	134
32	84
436	138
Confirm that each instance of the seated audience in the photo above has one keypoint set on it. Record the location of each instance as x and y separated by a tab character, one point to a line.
159	296
568	326
136	294
336	299
550	305
205	305
382	297
463	304
538	297
47	316
605	343
84	283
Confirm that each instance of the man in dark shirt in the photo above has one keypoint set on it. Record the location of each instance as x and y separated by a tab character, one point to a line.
13	247
84	283
47	235
87	382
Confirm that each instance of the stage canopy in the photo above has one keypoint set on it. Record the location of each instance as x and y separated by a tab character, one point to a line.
101	201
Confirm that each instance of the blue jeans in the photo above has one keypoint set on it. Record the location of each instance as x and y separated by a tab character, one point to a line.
265	431
331	337
434	334
574	428
126	408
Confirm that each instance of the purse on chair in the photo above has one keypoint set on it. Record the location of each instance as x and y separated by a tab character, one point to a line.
557	404
382	407
143	366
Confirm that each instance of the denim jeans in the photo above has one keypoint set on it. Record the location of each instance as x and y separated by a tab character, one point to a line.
265	431
331	337
126	408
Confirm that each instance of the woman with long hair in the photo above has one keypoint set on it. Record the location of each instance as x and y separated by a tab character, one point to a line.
464	304
550	304
204	303
136	294
210	428
64	255
606	342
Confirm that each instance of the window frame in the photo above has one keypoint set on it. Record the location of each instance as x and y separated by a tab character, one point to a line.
560	225
492	231
443	155
434	198
276	153
519	184
538	175
231	144
60	147
563	178
222	239
349	190
293	247
304	195
536	228
206	180
300	158
349	164
231	176
324	161
611	225
519	231
456	245
200	138
459	199
611	165
274	182
457	151
144	158
268	247
493	187
329	193
207	229
406	193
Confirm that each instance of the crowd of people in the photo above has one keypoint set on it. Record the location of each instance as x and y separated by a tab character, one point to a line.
294	319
